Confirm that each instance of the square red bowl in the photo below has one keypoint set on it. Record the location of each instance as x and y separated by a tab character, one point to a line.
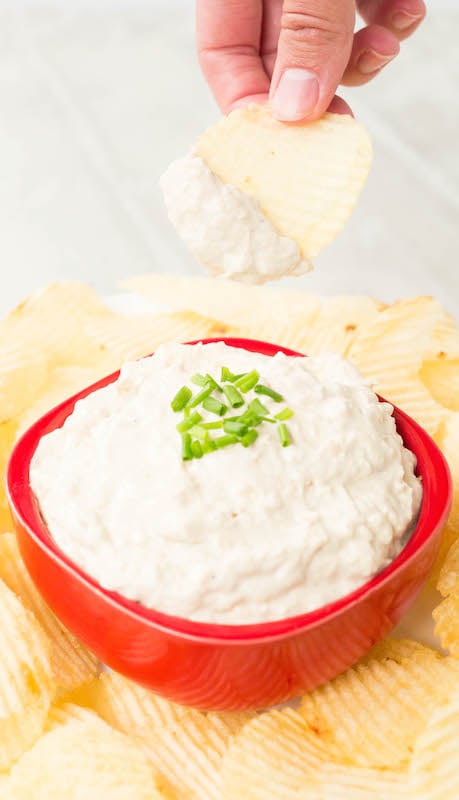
227	667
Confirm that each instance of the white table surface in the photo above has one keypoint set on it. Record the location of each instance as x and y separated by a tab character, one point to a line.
97	96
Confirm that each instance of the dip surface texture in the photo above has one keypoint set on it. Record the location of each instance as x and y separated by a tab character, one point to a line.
242	535
225	229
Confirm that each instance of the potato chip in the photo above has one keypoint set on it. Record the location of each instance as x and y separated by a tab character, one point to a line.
444	342
441	378
130	337
448	581
275	757
71	663
189	753
356	710
64	712
446	617
337	325
7	438
256	310
339	782
306	178
26	685
390	352
23	375
434	769
397	650
84	760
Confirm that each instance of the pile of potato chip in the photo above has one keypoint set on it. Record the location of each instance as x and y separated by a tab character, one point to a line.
386	729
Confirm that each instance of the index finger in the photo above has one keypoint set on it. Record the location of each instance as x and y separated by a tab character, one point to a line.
228	37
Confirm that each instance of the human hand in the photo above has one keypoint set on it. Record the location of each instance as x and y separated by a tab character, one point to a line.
297	52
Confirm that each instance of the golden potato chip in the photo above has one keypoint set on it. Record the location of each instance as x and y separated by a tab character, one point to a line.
64	712
22	376
130	337
446	617
306	178
84	759
71	663
189	753
390	352
257	311
444	342
339	782
7	439
441	378
356	711
276	756
337	325
397	650
26	685
434	769
448	581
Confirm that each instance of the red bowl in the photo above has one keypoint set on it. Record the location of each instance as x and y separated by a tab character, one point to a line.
227	667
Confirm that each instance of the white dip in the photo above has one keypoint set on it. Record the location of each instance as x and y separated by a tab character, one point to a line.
243	534
225	229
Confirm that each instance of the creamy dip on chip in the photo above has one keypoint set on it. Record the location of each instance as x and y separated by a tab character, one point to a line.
241	534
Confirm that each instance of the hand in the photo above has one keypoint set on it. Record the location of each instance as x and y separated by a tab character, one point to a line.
297	52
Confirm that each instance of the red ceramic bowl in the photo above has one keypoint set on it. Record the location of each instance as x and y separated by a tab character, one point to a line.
226	667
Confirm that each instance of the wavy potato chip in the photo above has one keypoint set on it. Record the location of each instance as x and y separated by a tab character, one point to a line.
434	769
306	178
397	650
356	711
448	581
446	617
337	325
72	664
8	432
84	760
64	712
441	378
276	756
340	782
26	685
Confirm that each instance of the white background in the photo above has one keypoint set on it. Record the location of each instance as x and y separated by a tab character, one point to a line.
97	97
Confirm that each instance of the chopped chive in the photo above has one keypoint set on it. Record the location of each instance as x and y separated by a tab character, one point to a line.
186	412
230	426
260	389
200	433
224	441
196	449
214	406
200	396
208	445
181	399
249	438
227	375
268	419
213	383
189	422
286	413
247	382
232	395
212	426
258	409
199	380
187	453
284	435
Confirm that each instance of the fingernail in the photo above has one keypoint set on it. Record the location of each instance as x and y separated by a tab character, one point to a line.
402	21
296	95
370	61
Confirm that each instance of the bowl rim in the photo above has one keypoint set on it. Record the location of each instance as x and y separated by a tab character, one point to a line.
435	507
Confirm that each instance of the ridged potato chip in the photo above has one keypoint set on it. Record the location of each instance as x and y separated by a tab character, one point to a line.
26	685
434	769
130	337
72	664
84	761
339	782
441	377
397	650
63	712
23	375
306	178
446	617
8	432
448	581
358	709
338	323
275	757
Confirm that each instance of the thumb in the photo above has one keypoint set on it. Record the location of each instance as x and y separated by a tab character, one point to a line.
314	47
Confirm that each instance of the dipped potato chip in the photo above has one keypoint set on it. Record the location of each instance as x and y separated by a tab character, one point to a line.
72	664
26	685
276	756
87	760
306	178
357	710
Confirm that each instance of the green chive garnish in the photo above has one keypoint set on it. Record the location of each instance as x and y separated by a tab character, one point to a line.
249	438
258	409
181	399
224	441
238	428
199	380
232	395
212	426
248	381
187	452
227	375
208	445
286	413
200	396
260	389
214	406
284	435
196	449
189	422
213	383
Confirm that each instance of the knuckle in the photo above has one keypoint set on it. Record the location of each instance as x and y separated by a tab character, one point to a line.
316	29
